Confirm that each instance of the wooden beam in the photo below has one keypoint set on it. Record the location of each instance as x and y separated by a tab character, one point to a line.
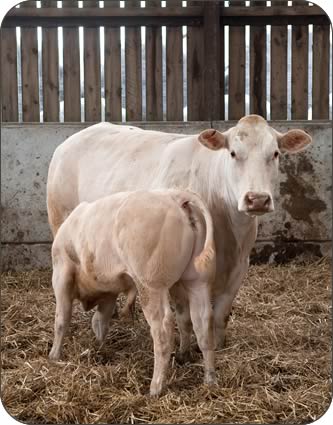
170	16
212	61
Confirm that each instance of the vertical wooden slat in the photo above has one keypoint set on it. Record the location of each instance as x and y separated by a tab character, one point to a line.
213	74
112	70
195	69
279	69
92	67
29	59
9	92
320	72
258	67
174	70
299	73
133	70
154	91
258	71
236	69
72	101
50	71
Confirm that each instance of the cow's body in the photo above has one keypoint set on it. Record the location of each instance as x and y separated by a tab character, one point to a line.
107	158
145	241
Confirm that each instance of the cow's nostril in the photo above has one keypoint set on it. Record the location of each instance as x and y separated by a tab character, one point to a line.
267	201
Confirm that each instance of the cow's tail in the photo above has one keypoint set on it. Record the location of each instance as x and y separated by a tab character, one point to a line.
205	261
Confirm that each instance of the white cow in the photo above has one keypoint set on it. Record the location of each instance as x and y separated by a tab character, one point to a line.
234	172
149	241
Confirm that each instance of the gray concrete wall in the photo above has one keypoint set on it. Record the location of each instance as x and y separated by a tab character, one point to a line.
301	223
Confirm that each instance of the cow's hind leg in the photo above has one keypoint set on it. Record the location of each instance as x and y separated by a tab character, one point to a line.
203	325
62	282
156	308
102	316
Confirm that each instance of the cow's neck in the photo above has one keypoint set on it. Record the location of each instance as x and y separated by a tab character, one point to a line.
210	180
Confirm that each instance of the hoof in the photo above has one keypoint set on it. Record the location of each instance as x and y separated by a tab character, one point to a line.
155	391
182	358
210	378
53	356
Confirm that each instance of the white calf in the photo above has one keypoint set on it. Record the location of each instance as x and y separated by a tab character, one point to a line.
144	241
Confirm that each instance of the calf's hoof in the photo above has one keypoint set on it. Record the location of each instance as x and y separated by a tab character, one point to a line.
54	355
210	378
155	390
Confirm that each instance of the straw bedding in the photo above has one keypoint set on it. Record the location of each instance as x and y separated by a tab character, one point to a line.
276	367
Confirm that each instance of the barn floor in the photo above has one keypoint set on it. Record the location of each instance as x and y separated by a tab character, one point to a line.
276	367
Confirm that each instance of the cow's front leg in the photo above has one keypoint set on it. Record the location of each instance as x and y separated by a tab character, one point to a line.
224	295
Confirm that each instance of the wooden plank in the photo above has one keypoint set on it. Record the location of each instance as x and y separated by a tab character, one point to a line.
195	70
258	69
279	70
50	71
170	16
213	42
320	72
154	87
29	61
236	69
9	92
92	67
112	70
72	95
133	69
302	11
299	77
174	71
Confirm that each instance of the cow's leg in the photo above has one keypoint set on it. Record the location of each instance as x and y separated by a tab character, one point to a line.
62	282
223	299
102	316
156	308
203	325
183	318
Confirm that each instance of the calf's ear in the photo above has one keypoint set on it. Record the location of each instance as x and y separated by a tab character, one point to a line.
293	141
213	139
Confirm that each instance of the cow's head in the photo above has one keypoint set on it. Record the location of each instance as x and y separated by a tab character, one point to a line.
250	160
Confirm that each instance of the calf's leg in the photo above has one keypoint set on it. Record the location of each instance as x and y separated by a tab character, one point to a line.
62	282
157	311
183	318
203	325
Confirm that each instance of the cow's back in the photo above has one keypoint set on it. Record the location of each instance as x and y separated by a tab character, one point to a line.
105	159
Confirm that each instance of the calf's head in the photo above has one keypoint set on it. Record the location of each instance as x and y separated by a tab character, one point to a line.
249	159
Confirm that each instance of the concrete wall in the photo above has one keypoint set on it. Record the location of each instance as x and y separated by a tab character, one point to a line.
301	223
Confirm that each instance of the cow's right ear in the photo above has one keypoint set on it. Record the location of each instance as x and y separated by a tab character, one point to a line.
213	139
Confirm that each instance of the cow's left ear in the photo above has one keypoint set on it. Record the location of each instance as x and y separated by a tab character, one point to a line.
293	141
213	139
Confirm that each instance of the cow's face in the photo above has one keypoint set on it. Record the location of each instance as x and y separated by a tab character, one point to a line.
251	159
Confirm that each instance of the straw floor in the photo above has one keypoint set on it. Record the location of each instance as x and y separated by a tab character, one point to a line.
276	367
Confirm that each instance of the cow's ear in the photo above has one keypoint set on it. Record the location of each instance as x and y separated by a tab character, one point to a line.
213	139
293	141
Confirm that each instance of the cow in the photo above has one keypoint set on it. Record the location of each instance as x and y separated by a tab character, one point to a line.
234	172
147	241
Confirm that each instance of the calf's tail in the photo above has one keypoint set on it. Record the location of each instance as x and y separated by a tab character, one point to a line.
205	261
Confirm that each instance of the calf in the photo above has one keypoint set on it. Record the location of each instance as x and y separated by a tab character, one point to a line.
140	241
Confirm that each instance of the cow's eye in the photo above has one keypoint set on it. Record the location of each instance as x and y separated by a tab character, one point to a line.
276	154
233	154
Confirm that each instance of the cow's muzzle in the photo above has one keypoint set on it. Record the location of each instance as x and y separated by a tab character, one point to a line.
257	203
